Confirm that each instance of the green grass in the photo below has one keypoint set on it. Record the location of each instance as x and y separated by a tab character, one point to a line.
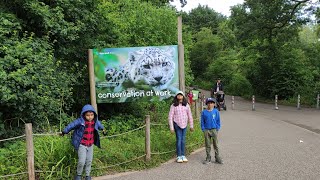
55	157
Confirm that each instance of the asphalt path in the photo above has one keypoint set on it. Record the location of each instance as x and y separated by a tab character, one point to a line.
268	144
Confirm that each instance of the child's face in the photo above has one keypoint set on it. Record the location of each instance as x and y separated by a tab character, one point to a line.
180	97
89	116
210	105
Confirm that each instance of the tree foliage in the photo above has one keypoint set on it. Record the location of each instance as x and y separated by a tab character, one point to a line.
257	46
53	38
139	23
203	16
71	27
204	51
33	87
165	2
44	45
269	32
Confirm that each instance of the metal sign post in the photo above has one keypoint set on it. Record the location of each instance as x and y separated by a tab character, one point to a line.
253	102
298	105
318	99
232	102
276	102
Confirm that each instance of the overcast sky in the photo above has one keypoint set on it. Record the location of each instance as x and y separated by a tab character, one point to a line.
220	6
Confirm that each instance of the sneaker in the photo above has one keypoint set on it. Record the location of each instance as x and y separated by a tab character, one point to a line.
88	178
77	177
219	160
184	159
179	159
206	161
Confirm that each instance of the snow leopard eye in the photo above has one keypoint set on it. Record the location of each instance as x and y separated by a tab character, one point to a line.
147	66
164	64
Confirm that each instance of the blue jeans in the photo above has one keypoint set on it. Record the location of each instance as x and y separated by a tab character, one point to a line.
180	139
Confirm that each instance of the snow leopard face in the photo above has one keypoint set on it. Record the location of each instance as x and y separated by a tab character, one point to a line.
151	66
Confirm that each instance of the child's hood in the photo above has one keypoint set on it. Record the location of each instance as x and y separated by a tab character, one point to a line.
88	107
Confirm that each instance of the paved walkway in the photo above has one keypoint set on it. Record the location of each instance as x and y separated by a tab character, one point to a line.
261	144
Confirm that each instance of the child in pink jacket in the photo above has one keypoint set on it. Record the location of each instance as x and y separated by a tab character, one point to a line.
179	115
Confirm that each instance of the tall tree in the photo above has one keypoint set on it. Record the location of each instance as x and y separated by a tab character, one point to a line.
72	27
139	23
165	2
204	51
265	28
203	16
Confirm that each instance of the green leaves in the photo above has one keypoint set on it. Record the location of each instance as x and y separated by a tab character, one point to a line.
44	50
32	84
203	17
204	51
141	24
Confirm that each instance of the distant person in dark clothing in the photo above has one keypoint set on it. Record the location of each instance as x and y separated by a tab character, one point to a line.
218	86
218	92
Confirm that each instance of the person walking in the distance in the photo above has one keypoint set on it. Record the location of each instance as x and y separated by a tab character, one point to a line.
210	125
179	115
218	93
218	86
84	136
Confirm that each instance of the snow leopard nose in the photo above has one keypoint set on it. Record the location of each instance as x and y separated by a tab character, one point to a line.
158	78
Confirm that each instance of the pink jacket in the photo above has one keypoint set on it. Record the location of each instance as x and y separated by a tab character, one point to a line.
180	115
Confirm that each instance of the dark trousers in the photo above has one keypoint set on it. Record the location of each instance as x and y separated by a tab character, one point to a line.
209	135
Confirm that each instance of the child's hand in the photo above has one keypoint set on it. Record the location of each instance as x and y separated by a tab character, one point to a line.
191	129
172	131
104	132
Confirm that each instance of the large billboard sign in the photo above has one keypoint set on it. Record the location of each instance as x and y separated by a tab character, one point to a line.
127	74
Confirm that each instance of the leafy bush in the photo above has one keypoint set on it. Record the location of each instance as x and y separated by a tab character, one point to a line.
203	84
239	86
33	88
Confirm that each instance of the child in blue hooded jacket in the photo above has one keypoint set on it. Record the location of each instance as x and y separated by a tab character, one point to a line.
84	136
210	125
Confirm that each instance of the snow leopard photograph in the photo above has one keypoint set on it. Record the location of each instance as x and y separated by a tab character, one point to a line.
127	74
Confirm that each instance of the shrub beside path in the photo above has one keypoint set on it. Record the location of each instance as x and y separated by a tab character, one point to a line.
260	144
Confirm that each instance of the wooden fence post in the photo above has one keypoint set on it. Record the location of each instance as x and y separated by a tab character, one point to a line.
30	151
203	101
147	143
196	107
92	81
182	86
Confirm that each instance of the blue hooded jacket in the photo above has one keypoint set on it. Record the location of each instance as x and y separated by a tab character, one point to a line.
78	126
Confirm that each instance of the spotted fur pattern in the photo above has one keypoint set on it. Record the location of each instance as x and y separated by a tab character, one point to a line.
151	66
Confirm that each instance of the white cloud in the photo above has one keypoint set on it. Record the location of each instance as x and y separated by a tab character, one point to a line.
220	6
